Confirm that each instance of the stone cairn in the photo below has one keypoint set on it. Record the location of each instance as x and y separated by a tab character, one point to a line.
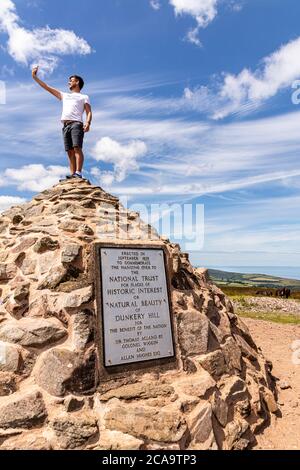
219	395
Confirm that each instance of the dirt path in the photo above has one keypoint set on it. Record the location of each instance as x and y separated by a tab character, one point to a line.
276	340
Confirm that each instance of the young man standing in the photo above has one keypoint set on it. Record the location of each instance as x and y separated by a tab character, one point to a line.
74	105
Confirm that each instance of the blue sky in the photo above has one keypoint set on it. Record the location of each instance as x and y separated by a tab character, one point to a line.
192	104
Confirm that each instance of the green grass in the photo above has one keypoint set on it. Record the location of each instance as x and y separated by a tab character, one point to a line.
271	316
238	291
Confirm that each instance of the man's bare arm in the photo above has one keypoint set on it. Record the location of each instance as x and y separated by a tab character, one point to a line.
44	85
89	117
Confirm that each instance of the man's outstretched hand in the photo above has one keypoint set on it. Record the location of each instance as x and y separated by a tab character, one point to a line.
35	71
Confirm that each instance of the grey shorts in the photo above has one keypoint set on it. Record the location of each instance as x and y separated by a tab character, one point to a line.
73	135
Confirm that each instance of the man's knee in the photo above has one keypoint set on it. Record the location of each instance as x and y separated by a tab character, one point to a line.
71	153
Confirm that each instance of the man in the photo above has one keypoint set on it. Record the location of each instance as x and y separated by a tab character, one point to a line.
74	105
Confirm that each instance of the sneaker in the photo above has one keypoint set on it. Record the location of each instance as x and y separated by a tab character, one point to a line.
77	175
67	177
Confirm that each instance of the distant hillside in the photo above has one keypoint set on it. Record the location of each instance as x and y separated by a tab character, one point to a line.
251	280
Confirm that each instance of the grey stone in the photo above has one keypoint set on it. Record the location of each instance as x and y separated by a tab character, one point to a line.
77	298
233	432
116	440
7	271
56	275
138	391
60	372
73	404
197	385
83	329
27	441
9	358
46	244
31	332
220	409
75	430
7	384
21	292
232	354
69	226
25	243
23	411
247	350
200	422
70	253
233	389
213	363
28	266
162	425
193	330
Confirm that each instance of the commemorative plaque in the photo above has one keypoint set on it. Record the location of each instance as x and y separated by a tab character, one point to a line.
135	305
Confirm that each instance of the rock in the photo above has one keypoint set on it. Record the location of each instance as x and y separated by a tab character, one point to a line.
284	384
247	350
213	363
21	293
69	226
46	244
7	384
28	266
32	440
73	404
9	358
39	307
162	425
233	389
77	298
138	391
86	229
46	259
220	409
200	422
7	271
233	432
56	275
26	242
34	332
83	328
269	400
116	440
23	411
16	309
70	253
193	333
243	408
197	385
60	371
74	430
232	354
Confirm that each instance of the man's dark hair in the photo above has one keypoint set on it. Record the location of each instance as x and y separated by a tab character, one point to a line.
81	81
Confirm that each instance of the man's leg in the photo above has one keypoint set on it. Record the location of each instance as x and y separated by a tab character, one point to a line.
79	159
72	161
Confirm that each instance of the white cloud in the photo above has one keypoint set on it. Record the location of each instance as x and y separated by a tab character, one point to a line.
249	90
123	157
33	178
204	12
155	4
42	46
7	201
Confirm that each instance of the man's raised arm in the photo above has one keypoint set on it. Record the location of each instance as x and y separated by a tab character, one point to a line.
44	85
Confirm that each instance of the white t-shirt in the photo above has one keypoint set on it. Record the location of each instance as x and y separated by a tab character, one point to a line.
73	106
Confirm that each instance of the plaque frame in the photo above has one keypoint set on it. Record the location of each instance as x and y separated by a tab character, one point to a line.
152	364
